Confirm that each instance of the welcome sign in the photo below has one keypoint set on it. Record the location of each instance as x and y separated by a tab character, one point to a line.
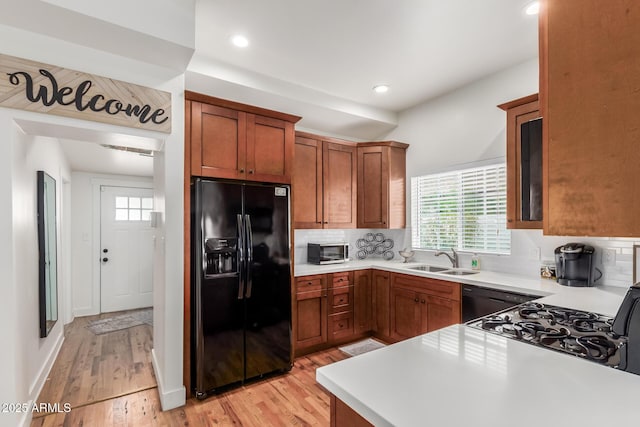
42	88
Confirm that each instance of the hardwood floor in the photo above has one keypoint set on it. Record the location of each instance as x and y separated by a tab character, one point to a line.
98	367
91	368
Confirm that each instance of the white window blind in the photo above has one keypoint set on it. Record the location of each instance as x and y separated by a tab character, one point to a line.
463	209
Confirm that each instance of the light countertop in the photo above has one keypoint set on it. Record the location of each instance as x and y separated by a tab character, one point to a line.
460	376
600	299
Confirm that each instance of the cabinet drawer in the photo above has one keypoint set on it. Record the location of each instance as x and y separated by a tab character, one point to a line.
442	288
340	325
341	299
310	284
341	279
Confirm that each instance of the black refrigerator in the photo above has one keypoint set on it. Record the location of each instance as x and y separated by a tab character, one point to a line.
240	283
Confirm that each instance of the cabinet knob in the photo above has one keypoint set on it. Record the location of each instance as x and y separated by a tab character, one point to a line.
509	220
416	300
308	283
340	325
340	280
341	300
250	170
241	170
423	301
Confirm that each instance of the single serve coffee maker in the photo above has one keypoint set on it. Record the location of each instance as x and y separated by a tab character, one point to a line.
574	264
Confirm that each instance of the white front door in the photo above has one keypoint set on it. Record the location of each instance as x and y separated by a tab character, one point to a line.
126	251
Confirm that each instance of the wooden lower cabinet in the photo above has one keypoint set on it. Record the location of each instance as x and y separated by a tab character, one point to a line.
343	416
324	311
333	309
381	298
311	312
362	301
405	314
340	307
420	305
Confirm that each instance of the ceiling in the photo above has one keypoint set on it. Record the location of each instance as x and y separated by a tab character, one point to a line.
330	54
318	59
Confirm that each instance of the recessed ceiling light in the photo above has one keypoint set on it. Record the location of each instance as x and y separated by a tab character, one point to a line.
532	8
240	41
381	88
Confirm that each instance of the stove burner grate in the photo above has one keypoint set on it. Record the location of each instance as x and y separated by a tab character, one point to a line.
579	333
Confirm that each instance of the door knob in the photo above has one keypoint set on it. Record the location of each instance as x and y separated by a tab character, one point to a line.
105	250
105	259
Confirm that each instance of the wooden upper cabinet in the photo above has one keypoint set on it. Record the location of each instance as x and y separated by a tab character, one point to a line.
589	80
270	146
307	183
339	165
325	177
237	141
382	185
524	162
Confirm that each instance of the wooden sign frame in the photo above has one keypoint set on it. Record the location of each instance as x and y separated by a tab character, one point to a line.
49	89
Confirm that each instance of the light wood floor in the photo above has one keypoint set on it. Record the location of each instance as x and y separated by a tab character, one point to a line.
91	370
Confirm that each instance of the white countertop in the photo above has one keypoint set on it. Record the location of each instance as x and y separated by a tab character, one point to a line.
460	376
600	299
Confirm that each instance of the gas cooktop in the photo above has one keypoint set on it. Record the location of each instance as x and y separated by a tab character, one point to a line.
579	333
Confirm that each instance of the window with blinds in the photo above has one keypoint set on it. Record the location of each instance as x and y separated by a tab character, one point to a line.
463	209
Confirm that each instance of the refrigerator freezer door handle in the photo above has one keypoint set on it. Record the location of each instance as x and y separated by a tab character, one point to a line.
249	234
240	256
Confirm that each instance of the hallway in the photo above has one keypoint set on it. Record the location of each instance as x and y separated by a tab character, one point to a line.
93	368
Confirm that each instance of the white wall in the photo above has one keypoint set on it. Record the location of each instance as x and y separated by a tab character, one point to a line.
168	291
33	355
9	334
85	295
129	62
465	127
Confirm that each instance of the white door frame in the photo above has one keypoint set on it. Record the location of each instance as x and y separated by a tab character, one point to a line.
96	183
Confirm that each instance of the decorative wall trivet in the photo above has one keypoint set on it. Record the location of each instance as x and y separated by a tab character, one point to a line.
374	244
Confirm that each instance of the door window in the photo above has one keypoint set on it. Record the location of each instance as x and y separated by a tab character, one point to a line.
133	208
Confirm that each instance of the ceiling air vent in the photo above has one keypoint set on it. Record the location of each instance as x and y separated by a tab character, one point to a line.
140	151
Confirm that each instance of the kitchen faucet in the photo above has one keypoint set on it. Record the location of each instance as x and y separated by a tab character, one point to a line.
453	259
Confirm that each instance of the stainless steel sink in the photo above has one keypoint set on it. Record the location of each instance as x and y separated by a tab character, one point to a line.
459	272
430	268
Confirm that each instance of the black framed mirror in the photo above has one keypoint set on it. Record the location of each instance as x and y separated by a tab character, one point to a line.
47	252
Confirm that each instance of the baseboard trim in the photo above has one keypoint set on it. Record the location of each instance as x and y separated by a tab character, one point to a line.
169	399
82	312
38	382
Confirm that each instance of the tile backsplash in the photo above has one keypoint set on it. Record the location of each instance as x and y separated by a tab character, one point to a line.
351	236
529	250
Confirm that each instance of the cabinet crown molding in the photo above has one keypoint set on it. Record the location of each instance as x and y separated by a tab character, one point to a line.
219	102
518	102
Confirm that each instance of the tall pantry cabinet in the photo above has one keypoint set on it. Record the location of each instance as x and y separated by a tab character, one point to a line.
229	140
589	82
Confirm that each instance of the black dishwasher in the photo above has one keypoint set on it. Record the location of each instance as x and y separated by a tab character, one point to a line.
479	302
